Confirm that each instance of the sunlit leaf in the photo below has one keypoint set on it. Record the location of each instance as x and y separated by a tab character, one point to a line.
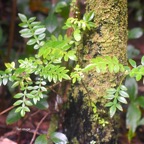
31	42
43	89
27	35
18	95
122	100
112	110
36	46
77	35
132	62
5	81
109	96
123	87
24	25
111	90
41	36
138	77
119	107
32	19
124	94
109	104
22	17
22	112
26	109
39	31
28	103
18	109
18	102
88	16
58	137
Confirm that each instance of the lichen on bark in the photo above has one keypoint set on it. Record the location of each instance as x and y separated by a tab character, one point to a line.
109	38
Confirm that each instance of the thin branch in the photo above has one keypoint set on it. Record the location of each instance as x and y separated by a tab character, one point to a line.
87	93
9	134
33	114
6	110
34	135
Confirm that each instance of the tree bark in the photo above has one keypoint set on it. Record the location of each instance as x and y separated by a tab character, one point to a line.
85	122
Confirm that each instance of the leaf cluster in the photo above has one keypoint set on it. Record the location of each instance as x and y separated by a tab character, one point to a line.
56	49
116	97
80	25
104	64
137	71
33	30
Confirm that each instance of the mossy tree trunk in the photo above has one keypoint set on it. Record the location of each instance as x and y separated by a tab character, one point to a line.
85	123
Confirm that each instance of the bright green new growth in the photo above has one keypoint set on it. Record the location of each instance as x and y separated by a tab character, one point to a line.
102	64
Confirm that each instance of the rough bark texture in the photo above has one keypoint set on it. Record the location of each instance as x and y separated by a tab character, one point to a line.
83	123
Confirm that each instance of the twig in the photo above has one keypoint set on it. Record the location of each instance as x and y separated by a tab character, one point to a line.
87	93
6	110
9	134
33	114
34	135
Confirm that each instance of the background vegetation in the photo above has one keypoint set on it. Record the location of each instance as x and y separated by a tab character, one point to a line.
53	15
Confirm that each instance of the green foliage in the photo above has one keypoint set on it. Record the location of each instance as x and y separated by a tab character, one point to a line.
80	25
46	66
134	116
60	5
42	139
135	33
12	117
33	75
137	71
58	138
42	104
102	64
33	30
59	48
116	97
51	22
95	116
77	75
55	137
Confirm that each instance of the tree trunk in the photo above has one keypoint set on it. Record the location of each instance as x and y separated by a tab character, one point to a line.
86	122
